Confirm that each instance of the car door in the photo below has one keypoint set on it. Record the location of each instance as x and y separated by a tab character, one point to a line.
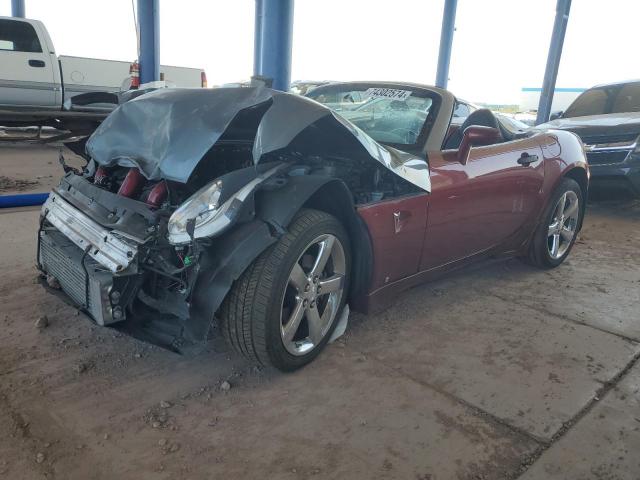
27	69
488	202
397	229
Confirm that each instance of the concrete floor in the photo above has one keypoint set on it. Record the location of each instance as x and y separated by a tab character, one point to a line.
499	372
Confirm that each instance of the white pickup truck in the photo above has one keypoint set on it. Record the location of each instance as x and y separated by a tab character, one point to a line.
32	77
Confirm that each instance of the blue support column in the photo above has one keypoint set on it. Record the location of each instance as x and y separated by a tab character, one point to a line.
276	40
553	60
17	8
257	39
446	42
149	31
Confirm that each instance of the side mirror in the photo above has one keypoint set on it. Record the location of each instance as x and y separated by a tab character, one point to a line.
556	115
475	136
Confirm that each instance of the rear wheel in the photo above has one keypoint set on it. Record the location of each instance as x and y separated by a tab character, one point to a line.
284	307
557	232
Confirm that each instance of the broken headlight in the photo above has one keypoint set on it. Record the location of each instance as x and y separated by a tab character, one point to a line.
204	208
208	215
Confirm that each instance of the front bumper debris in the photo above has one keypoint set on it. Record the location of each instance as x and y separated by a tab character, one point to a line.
83	279
111	251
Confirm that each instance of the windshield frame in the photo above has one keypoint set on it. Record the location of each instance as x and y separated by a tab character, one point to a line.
416	148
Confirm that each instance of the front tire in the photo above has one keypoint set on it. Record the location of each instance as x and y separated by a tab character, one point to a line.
284	307
556	234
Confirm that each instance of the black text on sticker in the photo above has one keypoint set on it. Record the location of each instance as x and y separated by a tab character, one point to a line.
392	93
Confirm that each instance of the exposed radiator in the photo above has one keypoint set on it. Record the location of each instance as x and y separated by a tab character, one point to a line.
64	260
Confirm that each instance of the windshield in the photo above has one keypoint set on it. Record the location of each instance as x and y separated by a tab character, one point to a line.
388	115
607	99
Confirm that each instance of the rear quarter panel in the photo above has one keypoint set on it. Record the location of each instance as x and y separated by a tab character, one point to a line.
563	152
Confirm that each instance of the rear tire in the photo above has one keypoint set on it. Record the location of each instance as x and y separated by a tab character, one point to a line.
555	236
282	310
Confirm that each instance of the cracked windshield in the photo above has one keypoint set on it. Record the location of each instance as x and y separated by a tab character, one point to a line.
387	115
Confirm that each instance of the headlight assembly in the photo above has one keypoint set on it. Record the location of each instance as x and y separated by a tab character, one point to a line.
210	216
204	207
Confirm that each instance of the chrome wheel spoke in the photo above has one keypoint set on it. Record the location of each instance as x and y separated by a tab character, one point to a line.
297	278
572	210
561	204
313	294
566	233
555	245
562	229
315	325
290	329
324	253
331	284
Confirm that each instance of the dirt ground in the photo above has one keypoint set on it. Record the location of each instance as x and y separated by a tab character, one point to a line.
502	371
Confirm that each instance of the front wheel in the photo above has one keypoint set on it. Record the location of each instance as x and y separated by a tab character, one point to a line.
283	308
558	229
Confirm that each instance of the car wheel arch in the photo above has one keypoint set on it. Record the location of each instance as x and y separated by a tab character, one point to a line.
274	210
335	199
579	175
330	195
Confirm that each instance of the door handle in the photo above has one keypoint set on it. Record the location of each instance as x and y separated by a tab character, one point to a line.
36	63
525	159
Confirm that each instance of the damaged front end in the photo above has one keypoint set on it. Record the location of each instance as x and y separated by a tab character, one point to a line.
183	189
119	255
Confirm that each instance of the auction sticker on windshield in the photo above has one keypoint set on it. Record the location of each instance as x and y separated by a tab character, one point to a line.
392	93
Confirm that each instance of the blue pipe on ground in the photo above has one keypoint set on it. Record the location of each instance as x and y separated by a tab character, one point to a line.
23	200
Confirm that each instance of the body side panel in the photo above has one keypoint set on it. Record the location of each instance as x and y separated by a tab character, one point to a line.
397	229
478	206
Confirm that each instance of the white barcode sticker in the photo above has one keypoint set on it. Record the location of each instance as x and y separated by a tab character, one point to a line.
392	93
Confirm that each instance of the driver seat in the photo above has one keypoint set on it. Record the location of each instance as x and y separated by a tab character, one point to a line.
482	117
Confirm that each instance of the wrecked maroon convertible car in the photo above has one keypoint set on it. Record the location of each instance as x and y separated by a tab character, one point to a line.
266	213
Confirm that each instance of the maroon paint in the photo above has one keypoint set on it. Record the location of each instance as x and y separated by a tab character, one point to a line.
474	136
397	231
157	195
132	183
483	204
490	205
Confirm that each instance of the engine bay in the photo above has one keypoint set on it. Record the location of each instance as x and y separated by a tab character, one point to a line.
367	182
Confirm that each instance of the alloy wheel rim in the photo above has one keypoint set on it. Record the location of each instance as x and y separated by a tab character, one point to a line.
312	295
564	224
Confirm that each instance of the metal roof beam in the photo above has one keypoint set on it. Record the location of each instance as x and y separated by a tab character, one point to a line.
273	41
553	60
446	42
149	39
17	8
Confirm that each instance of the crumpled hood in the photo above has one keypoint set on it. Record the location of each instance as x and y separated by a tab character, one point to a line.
610	123
167	132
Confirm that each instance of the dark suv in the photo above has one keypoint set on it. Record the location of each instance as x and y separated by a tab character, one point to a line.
607	119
